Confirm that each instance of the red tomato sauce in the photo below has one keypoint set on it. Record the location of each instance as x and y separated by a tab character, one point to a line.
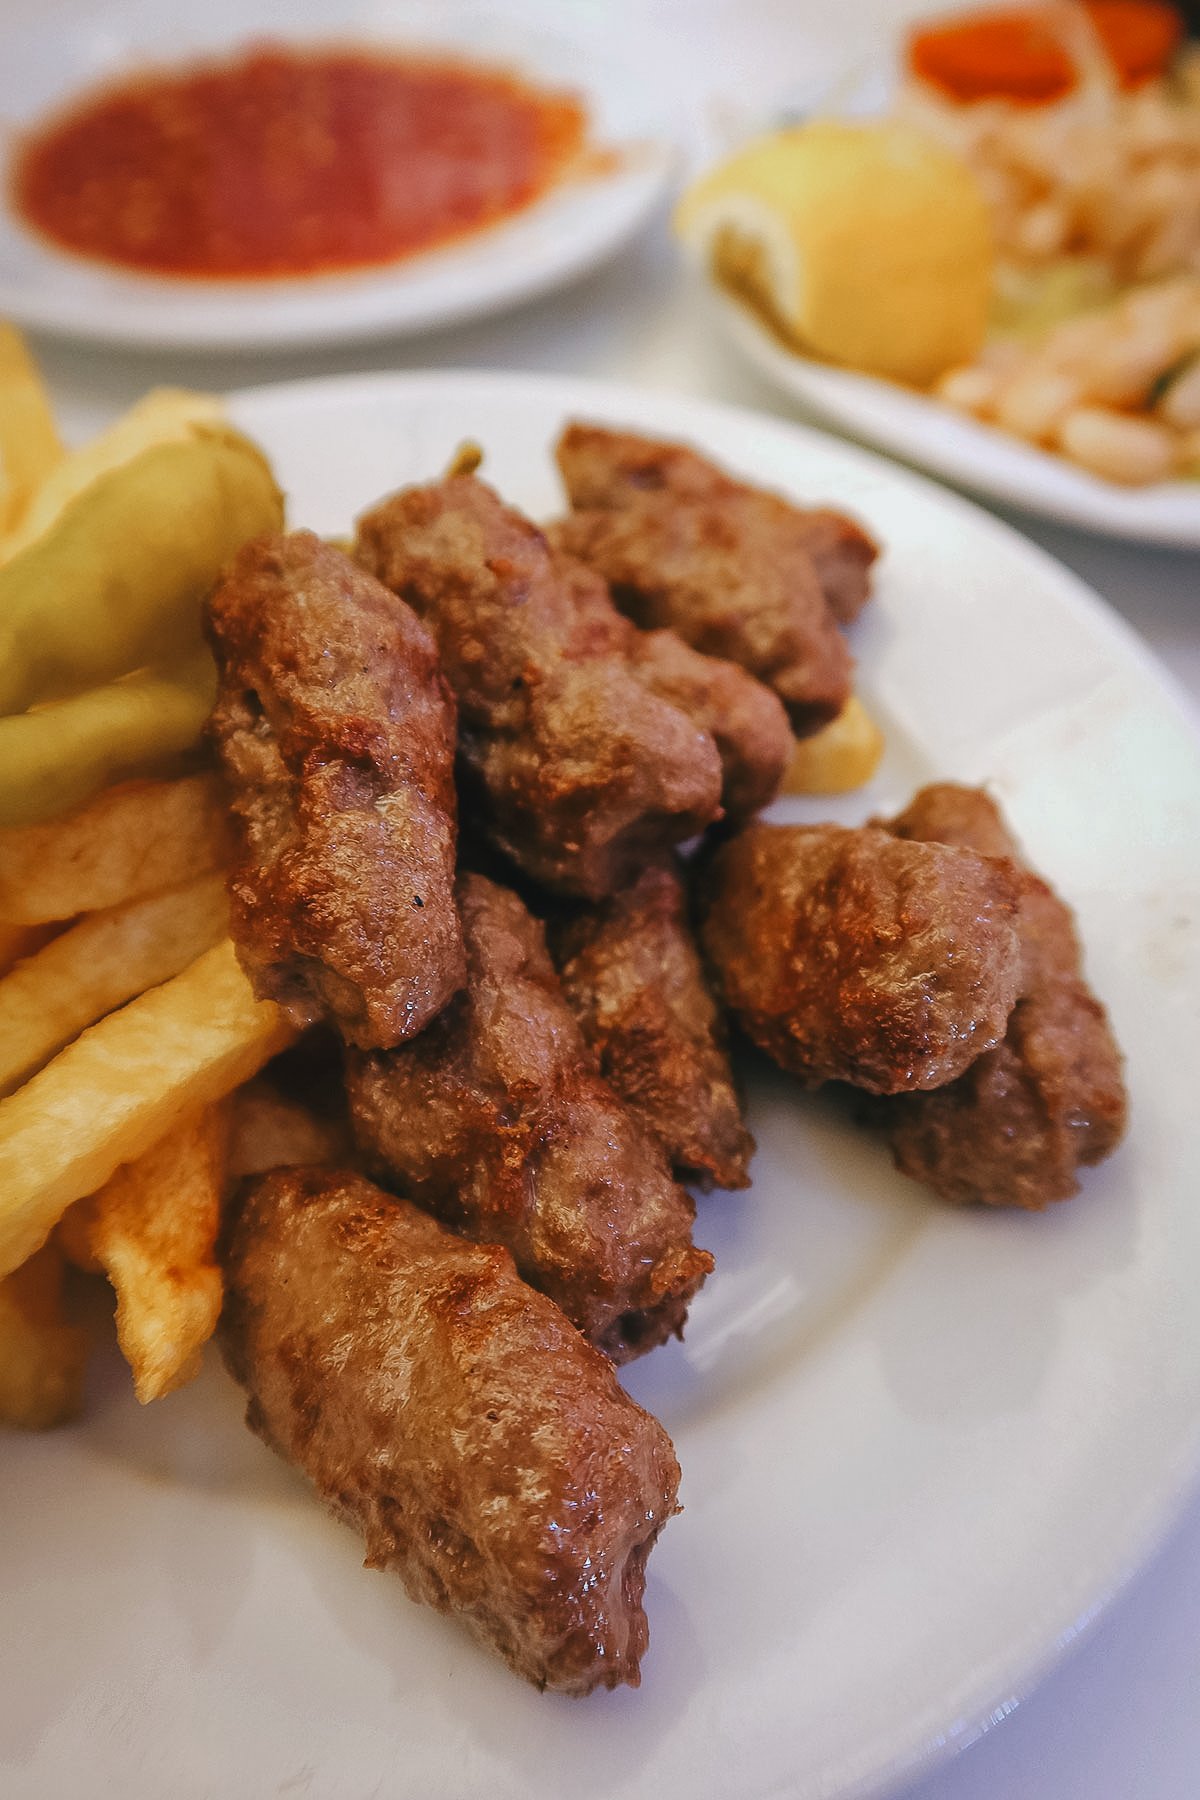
285	162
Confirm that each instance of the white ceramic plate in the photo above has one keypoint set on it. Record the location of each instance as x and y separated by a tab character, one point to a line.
972	455
920	1447
46	60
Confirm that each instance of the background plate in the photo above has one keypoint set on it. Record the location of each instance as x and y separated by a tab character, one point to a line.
51	54
972	455
920	1447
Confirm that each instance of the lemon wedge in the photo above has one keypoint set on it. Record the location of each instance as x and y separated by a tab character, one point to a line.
865	244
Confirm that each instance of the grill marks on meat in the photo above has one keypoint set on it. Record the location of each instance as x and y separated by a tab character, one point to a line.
335	733
451	1416
497	1120
583	772
738	572
854	956
1017	1126
632	975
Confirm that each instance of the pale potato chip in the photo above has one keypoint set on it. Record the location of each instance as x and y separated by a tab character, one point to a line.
30	447
130	840
153	1228
99	964
163	416
42	1356
116	1090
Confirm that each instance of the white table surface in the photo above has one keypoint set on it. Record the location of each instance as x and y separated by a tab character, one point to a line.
1119	1719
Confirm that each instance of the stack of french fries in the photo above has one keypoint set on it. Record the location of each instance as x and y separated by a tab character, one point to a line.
125	1021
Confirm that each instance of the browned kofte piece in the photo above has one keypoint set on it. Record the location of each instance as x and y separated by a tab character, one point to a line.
1015	1129
632	975
738	572
335	734
601	467
497	1119
576	769
451	1416
853	956
745	719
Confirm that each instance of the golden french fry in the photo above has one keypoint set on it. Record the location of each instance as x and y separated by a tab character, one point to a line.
19	941
843	756
29	442
270	1130
99	964
115	582
152	1228
116	1090
128	841
73	1235
163	416
42	1356
58	756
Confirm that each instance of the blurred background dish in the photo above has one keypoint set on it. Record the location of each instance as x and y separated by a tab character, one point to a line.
506	247
1009	233
928	434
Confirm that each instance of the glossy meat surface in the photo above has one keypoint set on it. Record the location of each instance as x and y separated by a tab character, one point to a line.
335	734
854	956
453	1418
1017	1126
632	975
602	468
578	771
497	1120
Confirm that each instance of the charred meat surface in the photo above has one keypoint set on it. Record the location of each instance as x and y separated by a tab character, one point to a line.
632	975
853	956
580	771
335	734
1017	1126
453	1418
497	1119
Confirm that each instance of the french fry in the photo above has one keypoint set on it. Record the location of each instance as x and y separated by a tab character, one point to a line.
29	442
842	756
152	1228
99	964
116	1090
42	1356
270	1130
128	841
19	941
73	1235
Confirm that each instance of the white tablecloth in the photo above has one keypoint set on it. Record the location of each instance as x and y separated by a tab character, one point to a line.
1120	1717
